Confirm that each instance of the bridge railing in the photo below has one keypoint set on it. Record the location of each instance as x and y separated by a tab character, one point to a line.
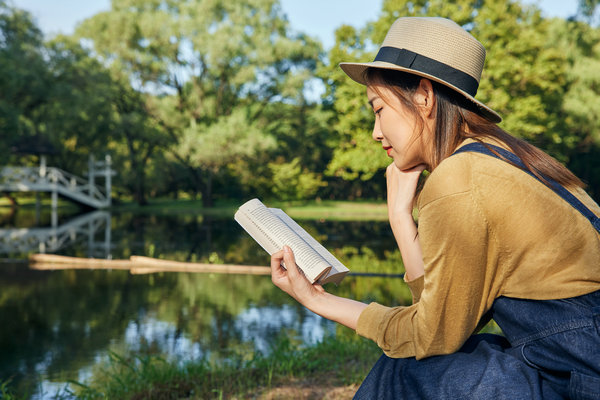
58	181
75	184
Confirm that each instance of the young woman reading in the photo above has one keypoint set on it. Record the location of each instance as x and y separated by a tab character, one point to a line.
505	232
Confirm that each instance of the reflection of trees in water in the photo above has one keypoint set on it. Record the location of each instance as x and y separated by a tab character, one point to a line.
61	318
61	321
188	237
64	320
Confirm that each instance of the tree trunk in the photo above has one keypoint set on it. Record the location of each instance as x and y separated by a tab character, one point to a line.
140	189
207	200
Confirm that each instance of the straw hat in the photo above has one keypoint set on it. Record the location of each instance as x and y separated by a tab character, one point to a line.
434	48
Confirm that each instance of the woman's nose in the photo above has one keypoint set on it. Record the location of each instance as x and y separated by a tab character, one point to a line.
377	135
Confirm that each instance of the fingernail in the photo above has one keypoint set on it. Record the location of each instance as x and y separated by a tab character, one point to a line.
286	249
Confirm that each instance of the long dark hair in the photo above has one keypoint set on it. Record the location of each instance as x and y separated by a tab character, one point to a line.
458	119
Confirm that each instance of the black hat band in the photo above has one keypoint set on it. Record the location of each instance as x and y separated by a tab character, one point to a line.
408	59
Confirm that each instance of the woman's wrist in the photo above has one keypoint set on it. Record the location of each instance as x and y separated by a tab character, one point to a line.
316	301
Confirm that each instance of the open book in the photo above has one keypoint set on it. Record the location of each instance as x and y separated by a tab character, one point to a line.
272	229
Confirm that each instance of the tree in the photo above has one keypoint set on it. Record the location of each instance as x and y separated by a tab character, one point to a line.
580	43
24	76
206	62
356	157
136	137
77	113
587	9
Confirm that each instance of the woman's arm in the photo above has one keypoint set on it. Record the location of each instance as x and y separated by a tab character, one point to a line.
401	191
314	297
401	187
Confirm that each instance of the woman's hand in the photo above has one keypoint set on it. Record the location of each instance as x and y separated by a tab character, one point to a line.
291	280
312	296
401	187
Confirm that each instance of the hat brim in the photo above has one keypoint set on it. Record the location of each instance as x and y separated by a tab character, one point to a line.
356	72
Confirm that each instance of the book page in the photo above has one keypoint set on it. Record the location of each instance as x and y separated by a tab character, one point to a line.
272	234
261	237
336	264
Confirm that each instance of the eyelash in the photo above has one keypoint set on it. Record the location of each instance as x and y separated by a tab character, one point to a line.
378	111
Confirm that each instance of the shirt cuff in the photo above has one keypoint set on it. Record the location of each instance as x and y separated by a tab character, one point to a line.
370	319
416	287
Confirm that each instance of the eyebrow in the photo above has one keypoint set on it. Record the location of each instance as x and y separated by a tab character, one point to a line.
371	100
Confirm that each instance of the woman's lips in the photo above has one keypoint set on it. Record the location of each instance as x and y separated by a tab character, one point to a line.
388	149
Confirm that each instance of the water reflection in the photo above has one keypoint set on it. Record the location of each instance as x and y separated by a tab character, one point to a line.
59	325
261	325
163	337
52	239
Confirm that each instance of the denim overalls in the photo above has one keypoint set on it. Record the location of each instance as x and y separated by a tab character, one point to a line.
551	349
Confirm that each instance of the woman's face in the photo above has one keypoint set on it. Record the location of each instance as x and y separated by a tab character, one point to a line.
396	128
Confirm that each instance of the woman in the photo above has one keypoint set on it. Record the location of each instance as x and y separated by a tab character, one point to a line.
505	232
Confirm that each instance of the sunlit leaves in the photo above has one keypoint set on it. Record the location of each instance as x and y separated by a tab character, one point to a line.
211	62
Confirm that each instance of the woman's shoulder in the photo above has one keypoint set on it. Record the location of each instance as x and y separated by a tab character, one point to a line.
494	184
451	177
471	171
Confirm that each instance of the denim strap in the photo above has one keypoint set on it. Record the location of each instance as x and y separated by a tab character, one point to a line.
555	186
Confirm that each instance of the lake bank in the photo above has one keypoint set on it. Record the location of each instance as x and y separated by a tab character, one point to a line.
315	209
332	369
335	365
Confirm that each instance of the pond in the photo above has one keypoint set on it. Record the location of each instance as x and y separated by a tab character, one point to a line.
60	325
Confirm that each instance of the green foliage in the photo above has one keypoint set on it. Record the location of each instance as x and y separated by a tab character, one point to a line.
6	392
212	63
77	113
580	45
355	154
587	8
208	98
58	93
383	290
23	76
524	78
292	182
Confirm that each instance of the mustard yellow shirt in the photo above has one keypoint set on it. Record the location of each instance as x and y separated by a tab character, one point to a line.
487	229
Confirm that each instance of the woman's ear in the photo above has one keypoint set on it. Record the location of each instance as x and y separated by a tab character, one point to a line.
425	98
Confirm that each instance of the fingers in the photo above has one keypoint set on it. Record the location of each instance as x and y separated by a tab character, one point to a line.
277	271
290	261
285	256
417	168
276	259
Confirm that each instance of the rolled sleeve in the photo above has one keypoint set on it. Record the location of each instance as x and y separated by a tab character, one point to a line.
460	258
416	287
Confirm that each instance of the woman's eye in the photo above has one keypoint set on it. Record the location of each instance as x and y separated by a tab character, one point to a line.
378	110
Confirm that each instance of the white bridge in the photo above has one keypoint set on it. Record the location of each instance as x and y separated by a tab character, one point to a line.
82	229
59	182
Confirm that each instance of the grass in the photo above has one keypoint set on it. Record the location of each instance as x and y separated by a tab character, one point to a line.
28	200
330	364
6	392
313	209
329	209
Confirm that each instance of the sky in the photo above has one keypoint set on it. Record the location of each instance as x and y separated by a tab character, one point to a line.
317	18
